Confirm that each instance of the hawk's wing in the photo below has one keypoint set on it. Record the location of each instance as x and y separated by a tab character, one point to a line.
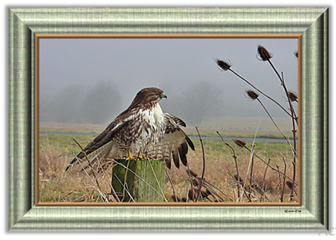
175	143
101	145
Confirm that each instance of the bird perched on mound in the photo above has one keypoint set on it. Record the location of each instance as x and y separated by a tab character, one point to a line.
143	130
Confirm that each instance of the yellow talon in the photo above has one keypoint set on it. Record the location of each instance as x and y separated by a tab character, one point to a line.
130	157
140	157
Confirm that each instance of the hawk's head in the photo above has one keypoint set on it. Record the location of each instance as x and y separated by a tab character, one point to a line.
147	97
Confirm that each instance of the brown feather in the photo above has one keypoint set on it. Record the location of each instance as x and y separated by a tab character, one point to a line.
176	159
183	150
132	129
168	164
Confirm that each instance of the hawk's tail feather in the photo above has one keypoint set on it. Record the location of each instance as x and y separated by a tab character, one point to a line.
183	150
190	143
168	163
176	159
174	146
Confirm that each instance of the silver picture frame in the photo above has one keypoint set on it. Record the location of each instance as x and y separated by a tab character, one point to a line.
309	24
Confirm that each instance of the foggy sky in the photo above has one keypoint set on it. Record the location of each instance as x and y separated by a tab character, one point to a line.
174	65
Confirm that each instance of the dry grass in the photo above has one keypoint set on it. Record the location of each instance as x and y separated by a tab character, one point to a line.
220	183
220	170
55	185
76	186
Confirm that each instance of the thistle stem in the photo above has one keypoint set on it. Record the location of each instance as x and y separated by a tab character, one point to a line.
251	173
242	78
236	163
203	170
284	180
276	125
285	89
263	183
277	170
293	116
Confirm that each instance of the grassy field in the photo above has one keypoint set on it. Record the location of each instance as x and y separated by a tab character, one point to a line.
238	127
56	151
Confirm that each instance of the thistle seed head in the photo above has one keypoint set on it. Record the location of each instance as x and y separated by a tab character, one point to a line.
292	96
252	94
192	173
192	194
195	182
239	142
289	184
175	198
263	53
204	194
223	65
240	179
208	192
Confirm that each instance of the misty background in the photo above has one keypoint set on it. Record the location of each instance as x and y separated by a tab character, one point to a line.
93	80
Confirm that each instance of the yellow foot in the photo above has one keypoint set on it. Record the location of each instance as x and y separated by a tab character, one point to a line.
130	157
140	157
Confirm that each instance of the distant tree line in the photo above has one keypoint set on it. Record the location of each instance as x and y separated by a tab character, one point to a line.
76	104
101	103
197	102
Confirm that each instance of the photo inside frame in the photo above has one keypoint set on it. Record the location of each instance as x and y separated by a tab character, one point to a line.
239	99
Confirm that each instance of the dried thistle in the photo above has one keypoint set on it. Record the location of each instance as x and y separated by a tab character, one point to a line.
239	142
175	198
289	184
192	173
257	188
204	194
240	179
292	96
192	195
263	53
195	182
223	65
252	94
208	192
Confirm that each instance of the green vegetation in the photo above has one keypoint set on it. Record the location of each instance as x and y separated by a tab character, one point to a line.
63	142
57	150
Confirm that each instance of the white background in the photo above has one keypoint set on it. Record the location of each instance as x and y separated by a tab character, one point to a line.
128	3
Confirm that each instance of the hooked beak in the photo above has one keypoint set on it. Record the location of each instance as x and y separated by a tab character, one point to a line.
163	95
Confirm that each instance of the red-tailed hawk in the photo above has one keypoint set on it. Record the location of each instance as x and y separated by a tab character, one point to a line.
142	128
